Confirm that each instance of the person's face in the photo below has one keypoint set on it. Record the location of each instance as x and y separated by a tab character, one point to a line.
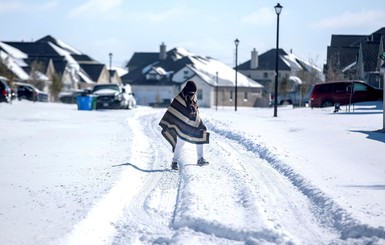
190	96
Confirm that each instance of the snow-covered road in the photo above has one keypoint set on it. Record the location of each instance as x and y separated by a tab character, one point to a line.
104	178
238	198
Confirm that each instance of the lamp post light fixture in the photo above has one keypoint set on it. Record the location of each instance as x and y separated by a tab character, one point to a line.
109	72
236	42
278	9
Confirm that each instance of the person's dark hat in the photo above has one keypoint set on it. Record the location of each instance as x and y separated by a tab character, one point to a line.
190	87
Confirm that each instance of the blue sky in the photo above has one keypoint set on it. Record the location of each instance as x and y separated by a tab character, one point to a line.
204	27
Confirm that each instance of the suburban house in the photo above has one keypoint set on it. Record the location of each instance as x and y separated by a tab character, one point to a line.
157	77
295	76
357	57
36	63
114	76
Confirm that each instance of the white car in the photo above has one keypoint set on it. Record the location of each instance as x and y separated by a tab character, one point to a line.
114	96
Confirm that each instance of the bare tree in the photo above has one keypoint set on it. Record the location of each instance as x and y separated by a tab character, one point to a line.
5	72
309	77
36	72
56	86
334	70
283	86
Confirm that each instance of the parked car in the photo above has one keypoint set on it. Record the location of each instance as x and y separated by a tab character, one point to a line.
5	91
114	96
343	92
26	91
70	97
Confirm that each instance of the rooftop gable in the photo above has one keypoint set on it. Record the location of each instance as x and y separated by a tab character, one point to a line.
140	59
57	42
12	51
380	31
266	61
342	55
370	55
347	40
83	58
375	37
33	49
93	70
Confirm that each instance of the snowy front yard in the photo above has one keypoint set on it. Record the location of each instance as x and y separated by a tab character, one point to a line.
103	177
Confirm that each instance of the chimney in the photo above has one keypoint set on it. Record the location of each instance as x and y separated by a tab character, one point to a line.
254	60
162	53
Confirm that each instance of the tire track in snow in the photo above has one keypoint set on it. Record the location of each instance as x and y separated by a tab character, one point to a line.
122	216
325	209
280	201
98	226
217	200
147	217
194	224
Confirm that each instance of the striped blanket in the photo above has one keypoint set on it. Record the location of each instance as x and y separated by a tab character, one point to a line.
176	122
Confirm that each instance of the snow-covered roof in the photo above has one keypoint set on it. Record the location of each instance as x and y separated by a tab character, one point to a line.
14	52
207	69
160	70
41	76
16	56
295	79
296	63
14	64
292	63
67	47
73	65
349	66
149	67
204	67
182	52
64	53
121	71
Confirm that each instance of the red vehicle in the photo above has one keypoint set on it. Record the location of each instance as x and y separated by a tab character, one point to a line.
343	92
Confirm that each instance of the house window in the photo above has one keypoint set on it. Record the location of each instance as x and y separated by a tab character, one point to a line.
265	75
245	98
231	95
152	76
200	94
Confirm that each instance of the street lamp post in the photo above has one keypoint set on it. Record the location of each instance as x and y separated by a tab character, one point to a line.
216	92
382	57
278	9
109	72
236	42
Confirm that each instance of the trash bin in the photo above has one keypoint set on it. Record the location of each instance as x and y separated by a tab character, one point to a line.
94	99
86	103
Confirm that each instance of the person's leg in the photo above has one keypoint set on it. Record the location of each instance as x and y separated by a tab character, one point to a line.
199	151
178	149
201	160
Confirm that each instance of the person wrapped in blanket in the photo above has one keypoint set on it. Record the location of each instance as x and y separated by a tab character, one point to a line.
181	123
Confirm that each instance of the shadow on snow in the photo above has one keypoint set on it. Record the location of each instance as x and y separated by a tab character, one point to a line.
143	170
378	135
